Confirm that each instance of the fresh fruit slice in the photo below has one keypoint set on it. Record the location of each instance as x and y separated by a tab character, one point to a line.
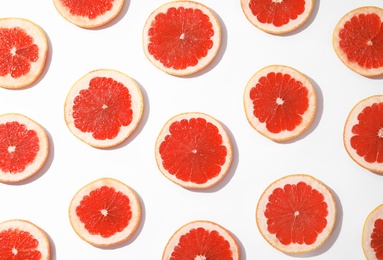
89	13
181	37
23	52
372	234
277	16
193	150
358	40
296	214
105	212
23	147
103	108
363	133
280	102
202	240
21	239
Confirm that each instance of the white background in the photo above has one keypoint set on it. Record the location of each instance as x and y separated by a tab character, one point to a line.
217	91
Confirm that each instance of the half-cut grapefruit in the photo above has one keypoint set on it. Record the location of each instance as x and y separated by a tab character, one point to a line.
358	40
23	52
103	108
193	150
296	214
105	212
200	240
280	102
181	37
372	235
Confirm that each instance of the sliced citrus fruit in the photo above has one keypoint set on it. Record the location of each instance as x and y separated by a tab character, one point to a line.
358	40
21	239
296	214
105	212
193	150
23	147
202	240
23	52
181	37
103	108
89	13
280	102
277	16
363	133
372	234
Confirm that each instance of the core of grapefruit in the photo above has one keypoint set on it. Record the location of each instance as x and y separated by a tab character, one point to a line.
372	234
277	16
23	52
200	240
89	13
296	214
358	40
21	239
181	37
105	212
193	150
280	102
103	108
363	133
23	147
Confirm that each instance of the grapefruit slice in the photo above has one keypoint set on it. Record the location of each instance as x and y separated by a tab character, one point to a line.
23	147
358	40
363	133
296	214
200	240
105	212
89	13
181	37
103	108
277	16
193	150
280	102
372	234
23	52
21	239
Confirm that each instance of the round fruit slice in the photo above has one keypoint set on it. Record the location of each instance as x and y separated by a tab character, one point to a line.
103	108
105	212
363	133
23	147
193	150
202	240
358	40
277	16
296	214
21	239
181	37
280	102
372	234
23	52
89	13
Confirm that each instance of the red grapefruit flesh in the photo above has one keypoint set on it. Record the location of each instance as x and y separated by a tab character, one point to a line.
363	133
200	240
181	37
280	102
193	150
23	52
23	147
277	16
105	212
296	214
372	235
21	239
103	108
89	13
358	40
